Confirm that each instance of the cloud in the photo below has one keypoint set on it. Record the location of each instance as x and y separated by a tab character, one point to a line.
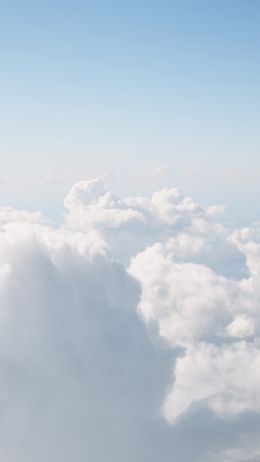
10	215
79	374
183	298
199	279
242	326
130	224
128	332
225	379
207	314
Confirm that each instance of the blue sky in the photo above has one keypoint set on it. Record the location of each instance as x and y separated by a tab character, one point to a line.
93	87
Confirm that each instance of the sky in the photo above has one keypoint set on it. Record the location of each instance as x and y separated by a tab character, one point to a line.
129	231
122	88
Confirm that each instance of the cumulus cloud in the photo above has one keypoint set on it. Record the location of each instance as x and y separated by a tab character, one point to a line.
79	375
226	379
135	318
130	224
206	314
188	301
199	278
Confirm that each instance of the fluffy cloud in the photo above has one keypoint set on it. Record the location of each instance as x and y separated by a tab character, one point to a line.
130	224
134	309
188	301
199	279
226	379
208	315
78	371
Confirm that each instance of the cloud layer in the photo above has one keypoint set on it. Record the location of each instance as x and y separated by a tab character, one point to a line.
134	320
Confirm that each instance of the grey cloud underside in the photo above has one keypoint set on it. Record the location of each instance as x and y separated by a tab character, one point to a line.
79	376
130	333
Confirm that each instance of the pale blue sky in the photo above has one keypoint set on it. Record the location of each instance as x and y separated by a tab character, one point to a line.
88	87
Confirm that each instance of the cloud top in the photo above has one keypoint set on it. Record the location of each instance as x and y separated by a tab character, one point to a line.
138	307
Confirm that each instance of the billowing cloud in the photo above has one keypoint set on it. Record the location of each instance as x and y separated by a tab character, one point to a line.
200	287
124	328
214	319
78	372
130	224
226	379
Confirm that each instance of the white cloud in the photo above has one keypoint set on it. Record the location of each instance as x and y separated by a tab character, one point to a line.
130	224
73	350
206	314
241	326
179	255
189	301
226	379
10	215
75	360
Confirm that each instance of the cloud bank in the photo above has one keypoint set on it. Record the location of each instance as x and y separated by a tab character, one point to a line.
126	328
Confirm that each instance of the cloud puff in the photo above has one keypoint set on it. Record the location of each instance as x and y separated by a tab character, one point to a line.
226	379
188	301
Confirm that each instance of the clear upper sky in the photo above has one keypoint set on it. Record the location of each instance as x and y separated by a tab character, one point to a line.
88	87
